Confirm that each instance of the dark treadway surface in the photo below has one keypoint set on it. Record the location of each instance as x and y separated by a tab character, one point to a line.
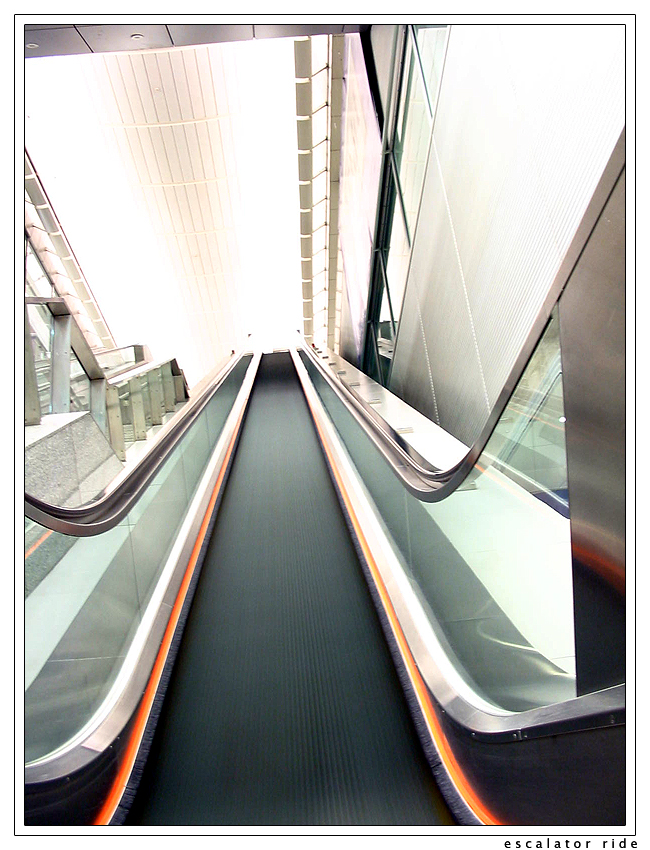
284	706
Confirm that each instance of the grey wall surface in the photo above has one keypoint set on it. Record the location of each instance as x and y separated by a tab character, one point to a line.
70	465
526	120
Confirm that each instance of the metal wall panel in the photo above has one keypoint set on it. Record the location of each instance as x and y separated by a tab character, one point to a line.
185	34
519	143
592	331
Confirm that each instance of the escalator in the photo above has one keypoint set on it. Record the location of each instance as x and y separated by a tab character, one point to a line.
278	661
285	614
284	706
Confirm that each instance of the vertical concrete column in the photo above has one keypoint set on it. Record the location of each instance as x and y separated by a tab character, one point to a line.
179	388
168	387
114	417
61	351
32	404
157	397
137	406
146	399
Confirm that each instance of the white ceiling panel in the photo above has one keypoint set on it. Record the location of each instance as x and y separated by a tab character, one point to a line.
193	130
211	83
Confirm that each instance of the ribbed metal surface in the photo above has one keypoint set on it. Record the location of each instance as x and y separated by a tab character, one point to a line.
172	119
436	359
592	329
526	120
284	706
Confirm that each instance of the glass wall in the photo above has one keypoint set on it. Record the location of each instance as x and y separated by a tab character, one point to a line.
397	252
412	105
432	43
361	157
528	443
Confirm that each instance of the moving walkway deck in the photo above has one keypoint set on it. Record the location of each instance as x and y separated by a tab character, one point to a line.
284	706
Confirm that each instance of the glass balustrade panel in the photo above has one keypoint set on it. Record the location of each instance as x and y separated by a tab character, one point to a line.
491	563
85	597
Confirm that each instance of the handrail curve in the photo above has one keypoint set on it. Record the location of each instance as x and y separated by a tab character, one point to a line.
117	499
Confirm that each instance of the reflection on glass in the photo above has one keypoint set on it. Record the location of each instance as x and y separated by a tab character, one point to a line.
528	444
412	136
41	325
491	563
319	127
86	596
319	158
319	88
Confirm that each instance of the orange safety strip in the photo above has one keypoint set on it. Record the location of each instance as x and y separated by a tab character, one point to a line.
444	749
609	571
537	504
131	752
35	546
527	415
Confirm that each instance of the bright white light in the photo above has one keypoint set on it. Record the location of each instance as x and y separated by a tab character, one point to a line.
107	228
268	176
102	210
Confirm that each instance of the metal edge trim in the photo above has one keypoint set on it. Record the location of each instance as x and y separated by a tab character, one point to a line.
125	490
455	697
398	445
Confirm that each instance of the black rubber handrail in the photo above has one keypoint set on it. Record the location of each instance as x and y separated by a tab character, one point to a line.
119	497
421	478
